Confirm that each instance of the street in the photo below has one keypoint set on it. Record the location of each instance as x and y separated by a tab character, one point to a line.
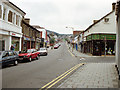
37	73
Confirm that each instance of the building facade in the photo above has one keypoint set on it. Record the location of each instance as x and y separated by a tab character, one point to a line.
43	32
10	28
100	37
31	36
118	37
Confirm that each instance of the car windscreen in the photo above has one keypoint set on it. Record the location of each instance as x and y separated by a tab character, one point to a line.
22	52
29	50
41	49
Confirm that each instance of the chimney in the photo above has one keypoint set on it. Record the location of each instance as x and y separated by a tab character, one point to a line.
113	6
94	21
27	20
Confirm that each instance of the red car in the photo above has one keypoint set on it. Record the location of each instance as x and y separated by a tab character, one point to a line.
29	55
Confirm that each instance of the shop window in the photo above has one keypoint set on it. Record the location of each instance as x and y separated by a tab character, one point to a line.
10	16
0	11
4	13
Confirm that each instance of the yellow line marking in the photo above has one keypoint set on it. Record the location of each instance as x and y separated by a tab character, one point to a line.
58	77
70	53
64	76
73	68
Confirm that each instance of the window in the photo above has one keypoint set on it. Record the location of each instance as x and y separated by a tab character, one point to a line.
5	54
106	19
13	18
0	11
10	16
4	12
10	53
17	20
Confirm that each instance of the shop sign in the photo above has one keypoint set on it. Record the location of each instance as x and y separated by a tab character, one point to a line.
13	34
95	37
89	37
108	37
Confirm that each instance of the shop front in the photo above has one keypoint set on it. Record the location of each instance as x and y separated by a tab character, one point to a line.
15	43
101	44
38	43
26	43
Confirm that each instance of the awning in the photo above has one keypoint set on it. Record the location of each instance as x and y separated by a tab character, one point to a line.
26	38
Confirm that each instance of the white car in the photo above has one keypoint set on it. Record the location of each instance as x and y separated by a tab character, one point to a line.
43	52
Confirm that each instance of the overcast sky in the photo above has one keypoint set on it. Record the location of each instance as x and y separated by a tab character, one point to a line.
55	15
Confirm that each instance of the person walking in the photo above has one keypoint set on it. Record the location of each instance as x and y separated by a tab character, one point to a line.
12	48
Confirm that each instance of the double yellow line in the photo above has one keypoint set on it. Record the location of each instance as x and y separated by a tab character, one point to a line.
56	80
70	53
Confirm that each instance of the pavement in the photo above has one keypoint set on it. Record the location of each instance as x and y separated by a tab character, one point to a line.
92	75
79	54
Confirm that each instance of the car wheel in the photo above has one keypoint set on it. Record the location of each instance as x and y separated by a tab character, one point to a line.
37	57
30	59
15	62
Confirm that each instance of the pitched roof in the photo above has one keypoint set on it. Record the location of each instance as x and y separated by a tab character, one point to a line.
9	2
98	21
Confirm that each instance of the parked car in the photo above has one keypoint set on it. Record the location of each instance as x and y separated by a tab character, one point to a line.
29	55
8	57
56	46
43	51
59	44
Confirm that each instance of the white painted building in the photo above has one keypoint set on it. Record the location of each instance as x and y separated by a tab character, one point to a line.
118	38
107	24
100	37
10	25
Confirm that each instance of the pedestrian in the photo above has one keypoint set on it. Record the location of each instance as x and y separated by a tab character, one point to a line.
12	48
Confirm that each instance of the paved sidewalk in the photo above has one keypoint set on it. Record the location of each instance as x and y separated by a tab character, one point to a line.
79	54
93	75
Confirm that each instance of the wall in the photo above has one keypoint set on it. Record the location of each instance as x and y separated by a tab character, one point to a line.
104	27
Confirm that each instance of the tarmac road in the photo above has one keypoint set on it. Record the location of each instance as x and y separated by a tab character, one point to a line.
37	73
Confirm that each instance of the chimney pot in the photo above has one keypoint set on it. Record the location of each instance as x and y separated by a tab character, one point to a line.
113	6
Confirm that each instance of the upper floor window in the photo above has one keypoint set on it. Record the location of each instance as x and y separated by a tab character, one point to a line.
10	15
4	12
106	19
0	11
13	18
17	20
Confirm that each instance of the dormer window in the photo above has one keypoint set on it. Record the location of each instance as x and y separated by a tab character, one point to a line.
106	19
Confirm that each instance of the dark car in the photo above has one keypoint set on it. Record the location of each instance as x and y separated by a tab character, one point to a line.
8	57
